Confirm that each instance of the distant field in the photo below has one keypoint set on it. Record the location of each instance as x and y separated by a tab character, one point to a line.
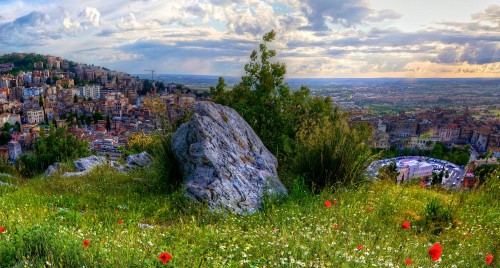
381	95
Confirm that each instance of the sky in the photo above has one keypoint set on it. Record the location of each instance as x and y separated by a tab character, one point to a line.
315	38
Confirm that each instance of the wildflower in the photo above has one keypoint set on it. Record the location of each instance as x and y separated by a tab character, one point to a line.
406	225
336	227
369	208
165	257
86	243
275	229
489	259
120	222
422	184
408	261
328	204
435	251
360	247
335	202
2	229
469	234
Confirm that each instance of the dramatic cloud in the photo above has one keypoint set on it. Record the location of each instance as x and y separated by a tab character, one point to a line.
315	38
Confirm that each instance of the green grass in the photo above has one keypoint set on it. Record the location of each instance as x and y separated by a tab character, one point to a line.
46	221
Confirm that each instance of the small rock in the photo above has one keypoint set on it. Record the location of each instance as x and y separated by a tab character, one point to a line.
139	160
89	163
53	169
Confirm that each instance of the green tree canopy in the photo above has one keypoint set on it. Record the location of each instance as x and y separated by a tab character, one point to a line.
302	130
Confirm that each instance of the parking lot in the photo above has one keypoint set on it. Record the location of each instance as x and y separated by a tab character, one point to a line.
455	173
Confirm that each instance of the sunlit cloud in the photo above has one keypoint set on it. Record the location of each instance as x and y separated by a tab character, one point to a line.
315	38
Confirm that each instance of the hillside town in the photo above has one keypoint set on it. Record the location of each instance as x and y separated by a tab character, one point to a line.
104	107
96	104
421	130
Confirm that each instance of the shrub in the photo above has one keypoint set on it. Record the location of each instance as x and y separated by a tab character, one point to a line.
333	154
55	146
436	217
297	127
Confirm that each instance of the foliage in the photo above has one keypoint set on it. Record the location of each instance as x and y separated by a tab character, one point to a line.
483	171
292	124
437	178
4	137
141	141
388	172
56	145
333	154
436	217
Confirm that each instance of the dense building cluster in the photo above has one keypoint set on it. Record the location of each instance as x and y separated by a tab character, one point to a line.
421	130
96	104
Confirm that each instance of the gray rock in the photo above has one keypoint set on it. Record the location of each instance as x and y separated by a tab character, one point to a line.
117	166
85	165
224	162
88	163
139	160
75	174
53	169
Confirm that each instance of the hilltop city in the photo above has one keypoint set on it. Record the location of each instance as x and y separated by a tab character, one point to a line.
104	107
97	104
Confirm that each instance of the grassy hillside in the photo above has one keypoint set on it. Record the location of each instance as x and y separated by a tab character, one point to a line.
47	220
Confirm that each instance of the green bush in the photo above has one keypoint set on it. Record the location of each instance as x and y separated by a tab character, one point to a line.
333	154
165	167
305	132
436	217
55	146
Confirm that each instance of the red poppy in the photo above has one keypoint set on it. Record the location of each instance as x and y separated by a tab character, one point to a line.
408	261
469	234
336	227
435	251
489	259
406	225
165	257
360	247
120	222
423	184
2	229
86	243
335	201
328	204
369	208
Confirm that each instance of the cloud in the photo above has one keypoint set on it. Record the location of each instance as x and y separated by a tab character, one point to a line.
320	13
28	30
490	14
384	14
91	15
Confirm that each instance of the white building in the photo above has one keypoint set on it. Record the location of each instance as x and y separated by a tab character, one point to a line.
34	116
93	92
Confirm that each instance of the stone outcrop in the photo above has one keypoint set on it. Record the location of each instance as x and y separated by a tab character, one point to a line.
139	160
224	162
85	165
53	169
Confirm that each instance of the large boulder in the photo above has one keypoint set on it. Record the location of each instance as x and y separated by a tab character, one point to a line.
224	162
